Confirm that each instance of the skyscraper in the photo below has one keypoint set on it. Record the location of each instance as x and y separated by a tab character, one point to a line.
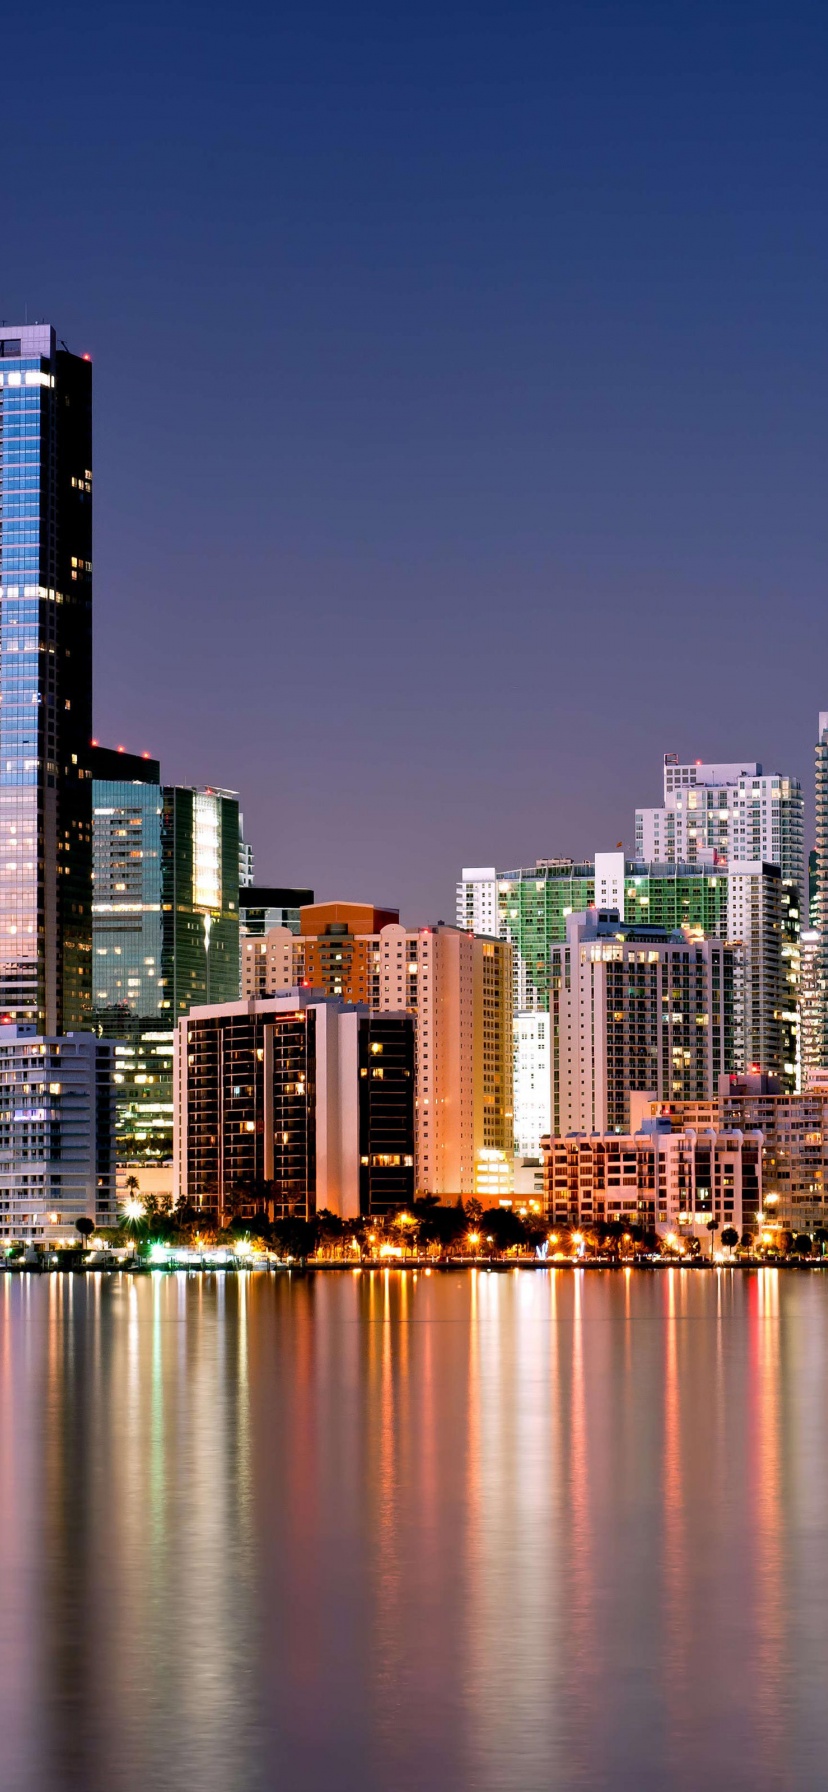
635	1008
46	679
820	918
165	928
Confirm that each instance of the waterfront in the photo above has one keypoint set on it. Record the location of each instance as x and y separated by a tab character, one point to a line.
388	1531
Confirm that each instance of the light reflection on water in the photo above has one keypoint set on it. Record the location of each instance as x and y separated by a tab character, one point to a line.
560	1530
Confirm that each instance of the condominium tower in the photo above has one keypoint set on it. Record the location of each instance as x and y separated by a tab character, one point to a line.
458	986
45	678
634	1008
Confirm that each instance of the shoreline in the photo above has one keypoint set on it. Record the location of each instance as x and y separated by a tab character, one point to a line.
419	1266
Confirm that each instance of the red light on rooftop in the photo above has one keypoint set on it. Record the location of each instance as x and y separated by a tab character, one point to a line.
86	357
94	743
145	755
121	749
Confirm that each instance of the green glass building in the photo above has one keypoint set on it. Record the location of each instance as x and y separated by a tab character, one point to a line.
529	907
165	927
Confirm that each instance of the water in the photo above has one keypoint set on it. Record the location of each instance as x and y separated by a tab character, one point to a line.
530	1531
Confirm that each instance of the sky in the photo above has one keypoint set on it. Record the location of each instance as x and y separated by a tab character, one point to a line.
460	405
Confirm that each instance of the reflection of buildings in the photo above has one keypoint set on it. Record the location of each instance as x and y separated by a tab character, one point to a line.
57	1160
293	1104
165	928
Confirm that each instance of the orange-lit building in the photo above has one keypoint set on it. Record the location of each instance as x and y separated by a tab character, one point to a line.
459	987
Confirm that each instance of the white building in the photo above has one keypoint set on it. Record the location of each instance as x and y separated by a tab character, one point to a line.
754	919
634	1007
713	814
477	907
533	1085
811	1008
57	1134
665	1181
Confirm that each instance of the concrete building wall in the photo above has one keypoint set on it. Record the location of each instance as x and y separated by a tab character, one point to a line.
57	1134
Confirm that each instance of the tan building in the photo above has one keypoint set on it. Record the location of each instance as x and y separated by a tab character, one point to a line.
663	1180
459	987
795	1133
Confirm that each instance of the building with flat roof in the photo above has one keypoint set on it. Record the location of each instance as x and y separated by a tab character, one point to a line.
46	677
634	1007
293	1104
794	1130
458	986
264	906
57	1134
665	1181
165	929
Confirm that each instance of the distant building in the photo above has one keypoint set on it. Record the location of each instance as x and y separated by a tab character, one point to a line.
713	814
665	1181
165	929
634	1007
755	918
293	1104
57	1127
459	988
811	1005
533	1081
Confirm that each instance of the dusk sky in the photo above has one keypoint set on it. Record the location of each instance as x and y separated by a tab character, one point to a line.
461	398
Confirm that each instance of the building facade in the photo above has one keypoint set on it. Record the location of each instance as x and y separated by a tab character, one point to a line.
263	907
794	1129
665	1181
811	1005
46	679
634	1008
165	929
459	988
713	814
292	1105
57	1134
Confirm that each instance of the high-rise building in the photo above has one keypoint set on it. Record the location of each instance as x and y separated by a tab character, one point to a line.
528	908
811	1006
458	986
165	929
46	679
820	917
294	1104
262	907
755	920
712	814
247	863
57	1156
531	907
634	1008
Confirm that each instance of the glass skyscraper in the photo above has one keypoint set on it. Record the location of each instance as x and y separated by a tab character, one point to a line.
45	680
165	929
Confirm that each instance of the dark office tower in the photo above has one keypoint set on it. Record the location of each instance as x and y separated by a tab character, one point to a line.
45	679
